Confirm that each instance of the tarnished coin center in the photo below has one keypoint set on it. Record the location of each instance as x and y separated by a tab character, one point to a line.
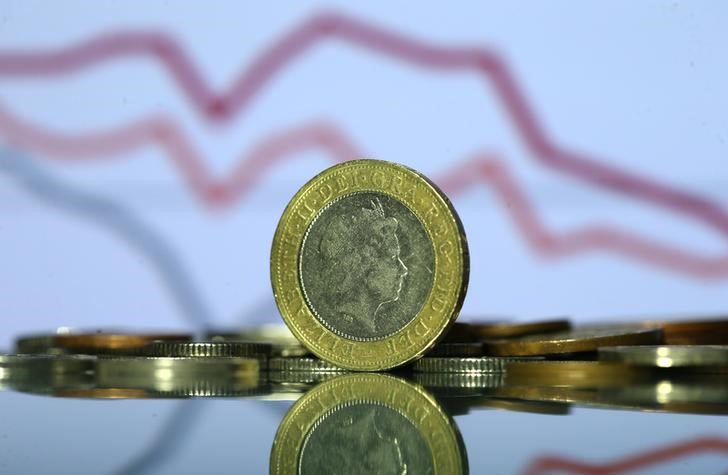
365	438
366	266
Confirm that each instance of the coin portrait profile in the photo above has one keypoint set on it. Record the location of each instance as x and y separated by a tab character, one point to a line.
365	438
353	269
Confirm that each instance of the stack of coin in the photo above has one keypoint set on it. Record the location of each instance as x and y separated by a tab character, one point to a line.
282	341
92	343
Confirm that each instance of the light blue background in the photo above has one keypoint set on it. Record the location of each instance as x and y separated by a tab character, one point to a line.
637	85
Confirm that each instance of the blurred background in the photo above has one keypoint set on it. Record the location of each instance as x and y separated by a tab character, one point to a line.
148	150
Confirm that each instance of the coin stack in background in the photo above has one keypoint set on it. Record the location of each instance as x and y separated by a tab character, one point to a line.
369	268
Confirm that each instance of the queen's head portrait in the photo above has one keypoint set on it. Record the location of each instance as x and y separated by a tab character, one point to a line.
360	268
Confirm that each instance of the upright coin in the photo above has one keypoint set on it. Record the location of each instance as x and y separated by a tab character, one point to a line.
369	265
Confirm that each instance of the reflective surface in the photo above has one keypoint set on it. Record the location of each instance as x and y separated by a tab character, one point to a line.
374	423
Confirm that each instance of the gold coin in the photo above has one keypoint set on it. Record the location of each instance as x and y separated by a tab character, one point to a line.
43	374
181	376
103	393
37	345
369	265
278	336
367	423
694	332
480	330
697	357
210	349
92	343
573	341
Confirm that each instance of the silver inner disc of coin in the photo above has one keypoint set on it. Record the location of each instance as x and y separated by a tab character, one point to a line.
364	438
366	266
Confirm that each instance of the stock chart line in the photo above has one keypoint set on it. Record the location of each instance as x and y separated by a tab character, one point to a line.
321	136
112	216
678	451
327	26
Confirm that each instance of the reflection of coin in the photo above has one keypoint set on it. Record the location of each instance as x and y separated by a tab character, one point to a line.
570	373
369	265
207	349
302	364
367	423
92	343
477	331
279	336
483	364
695	332
553	408
307	378
669	356
43	374
573	341
684	393
103	393
459	384
181	377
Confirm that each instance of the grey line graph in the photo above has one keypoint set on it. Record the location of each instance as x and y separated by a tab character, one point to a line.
110	215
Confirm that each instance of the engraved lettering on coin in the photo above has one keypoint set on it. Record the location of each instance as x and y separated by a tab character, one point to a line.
366	266
362	439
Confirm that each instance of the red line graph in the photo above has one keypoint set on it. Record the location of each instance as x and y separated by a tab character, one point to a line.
551	464
252	167
224	106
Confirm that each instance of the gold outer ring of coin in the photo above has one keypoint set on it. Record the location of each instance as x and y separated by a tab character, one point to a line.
574	341
419	407
278	335
479	330
668	356
450	273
